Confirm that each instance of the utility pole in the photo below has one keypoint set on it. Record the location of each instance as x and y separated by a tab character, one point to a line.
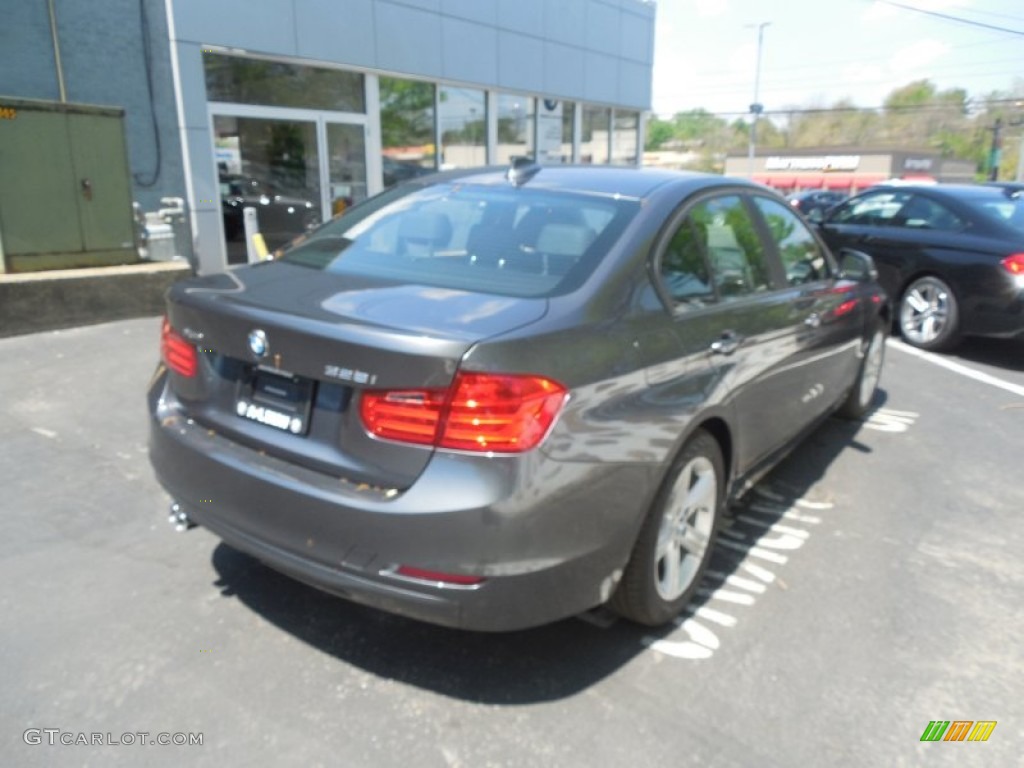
757	107
995	154
1020	159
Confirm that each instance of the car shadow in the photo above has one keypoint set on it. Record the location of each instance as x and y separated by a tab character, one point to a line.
543	664
1002	353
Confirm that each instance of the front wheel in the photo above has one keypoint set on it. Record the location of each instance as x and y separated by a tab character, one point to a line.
929	315
675	542
862	395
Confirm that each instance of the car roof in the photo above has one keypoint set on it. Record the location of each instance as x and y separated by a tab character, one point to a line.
961	191
629	182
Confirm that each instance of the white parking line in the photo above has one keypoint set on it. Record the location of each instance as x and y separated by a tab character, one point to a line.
771	557
773	527
738	598
712	615
963	370
763	509
738	581
762	573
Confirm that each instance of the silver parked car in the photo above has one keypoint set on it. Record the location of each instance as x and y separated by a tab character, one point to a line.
491	399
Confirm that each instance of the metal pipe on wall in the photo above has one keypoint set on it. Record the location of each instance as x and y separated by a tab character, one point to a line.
56	53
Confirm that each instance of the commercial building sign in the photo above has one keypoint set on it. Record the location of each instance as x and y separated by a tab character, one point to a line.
812	163
549	132
917	164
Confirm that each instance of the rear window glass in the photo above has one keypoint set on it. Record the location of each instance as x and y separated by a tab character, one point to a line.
513	241
1005	207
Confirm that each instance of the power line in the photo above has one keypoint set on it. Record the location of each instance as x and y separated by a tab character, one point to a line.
944	72
947	17
909	108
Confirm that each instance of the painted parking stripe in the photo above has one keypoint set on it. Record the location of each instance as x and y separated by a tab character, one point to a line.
711	614
764	509
773	527
756	570
963	370
737	598
805	503
738	581
763	554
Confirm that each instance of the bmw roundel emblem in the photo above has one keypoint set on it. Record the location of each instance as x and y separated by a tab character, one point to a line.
258	343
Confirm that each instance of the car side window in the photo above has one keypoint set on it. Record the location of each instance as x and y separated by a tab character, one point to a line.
802	257
923	213
684	267
878	209
716	253
734	249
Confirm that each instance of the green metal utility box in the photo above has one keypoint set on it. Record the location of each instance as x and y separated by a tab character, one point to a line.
65	191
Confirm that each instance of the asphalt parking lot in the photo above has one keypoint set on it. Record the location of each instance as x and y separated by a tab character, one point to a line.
869	585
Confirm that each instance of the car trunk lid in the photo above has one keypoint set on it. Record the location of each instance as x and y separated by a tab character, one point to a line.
280	342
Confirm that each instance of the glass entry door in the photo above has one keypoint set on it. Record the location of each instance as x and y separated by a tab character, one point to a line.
273	166
346	165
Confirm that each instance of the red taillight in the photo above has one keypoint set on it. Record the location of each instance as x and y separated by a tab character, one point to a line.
480	412
178	354
1014	264
410	416
445	578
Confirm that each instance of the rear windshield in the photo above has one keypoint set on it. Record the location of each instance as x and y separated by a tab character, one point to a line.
1007	207
512	241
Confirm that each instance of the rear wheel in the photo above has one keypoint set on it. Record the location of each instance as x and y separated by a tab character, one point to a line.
858	402
675	542
929	315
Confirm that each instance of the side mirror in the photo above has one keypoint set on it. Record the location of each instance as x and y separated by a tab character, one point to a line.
858	266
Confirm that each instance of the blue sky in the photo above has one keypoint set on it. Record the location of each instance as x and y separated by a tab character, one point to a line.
818	51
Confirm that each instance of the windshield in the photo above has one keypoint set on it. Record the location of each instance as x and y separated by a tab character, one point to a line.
507	240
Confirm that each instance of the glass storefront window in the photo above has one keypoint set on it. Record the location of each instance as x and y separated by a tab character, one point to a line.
595	134
554	131
463	118
346	163
515	127
568	121
624	138
272	166
241	80
407	129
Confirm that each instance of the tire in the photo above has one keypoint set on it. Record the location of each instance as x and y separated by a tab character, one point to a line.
929	315
680	527
862	394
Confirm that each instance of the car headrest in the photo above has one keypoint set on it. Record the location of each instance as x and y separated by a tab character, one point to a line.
564	239
432	229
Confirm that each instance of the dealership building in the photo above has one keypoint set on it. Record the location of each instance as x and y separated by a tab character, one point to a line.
848	169
299	108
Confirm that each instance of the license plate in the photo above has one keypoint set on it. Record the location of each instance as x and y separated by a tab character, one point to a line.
281	402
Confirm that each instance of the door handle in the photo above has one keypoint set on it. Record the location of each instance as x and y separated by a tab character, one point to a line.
813	320
727	343
87	189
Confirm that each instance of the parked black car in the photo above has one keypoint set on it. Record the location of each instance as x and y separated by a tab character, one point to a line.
819	200
951	256
494	399
281	216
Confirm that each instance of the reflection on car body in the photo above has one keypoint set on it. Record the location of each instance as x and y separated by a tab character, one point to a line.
492	400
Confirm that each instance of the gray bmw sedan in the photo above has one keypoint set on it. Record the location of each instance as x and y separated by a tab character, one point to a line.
495	398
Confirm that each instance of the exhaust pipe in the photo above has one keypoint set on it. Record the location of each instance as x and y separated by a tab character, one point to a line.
181	521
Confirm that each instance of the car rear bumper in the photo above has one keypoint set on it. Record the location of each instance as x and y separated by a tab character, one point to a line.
999	314
549	538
